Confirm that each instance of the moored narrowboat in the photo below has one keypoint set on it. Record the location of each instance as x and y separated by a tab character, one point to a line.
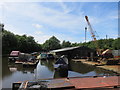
14	55
61	63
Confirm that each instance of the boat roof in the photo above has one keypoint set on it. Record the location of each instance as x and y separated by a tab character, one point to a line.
70	48
65	49
14	52
34	53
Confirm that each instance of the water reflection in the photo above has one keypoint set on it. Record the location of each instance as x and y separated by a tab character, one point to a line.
45	69
88	70
80	67
61	73
19	67
5	69
48	63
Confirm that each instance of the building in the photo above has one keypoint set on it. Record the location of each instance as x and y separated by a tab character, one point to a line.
116	53
75	52
1	27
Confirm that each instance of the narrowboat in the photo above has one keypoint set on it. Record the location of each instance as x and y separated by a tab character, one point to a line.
32	61
14	55
61	63
50	56
43	56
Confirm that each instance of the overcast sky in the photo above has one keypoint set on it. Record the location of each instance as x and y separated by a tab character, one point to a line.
65	20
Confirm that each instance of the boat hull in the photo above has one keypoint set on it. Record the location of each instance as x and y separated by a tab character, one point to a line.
111	61
30	64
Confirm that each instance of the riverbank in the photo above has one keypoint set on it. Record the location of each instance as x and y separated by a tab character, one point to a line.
114	68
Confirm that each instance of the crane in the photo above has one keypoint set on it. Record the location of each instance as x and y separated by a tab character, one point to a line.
93	35
105	54
90	27
99	52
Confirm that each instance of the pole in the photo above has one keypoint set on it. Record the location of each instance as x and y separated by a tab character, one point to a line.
106	36
85	33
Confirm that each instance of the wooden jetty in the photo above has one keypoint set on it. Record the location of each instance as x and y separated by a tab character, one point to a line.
73	83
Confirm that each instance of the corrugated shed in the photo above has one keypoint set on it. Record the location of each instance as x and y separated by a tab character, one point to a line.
65	49
74	52
116	53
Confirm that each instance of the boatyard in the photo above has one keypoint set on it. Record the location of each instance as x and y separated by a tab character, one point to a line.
78	67
66	68
63	72
60	46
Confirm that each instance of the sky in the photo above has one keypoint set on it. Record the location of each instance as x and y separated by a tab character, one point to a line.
64	20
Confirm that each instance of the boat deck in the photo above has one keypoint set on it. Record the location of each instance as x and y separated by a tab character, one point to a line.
80	83
98	82
60	83
30	63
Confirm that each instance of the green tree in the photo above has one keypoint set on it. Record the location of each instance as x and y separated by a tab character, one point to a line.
22	43
116	44
75	44
108	43
27	44
9	42
51	44
66	44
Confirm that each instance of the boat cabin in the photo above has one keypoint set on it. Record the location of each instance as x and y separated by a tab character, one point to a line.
14	55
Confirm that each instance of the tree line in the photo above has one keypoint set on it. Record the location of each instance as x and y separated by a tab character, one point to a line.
27	44
22	43
54	43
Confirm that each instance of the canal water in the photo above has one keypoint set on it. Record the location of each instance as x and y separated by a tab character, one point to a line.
45	69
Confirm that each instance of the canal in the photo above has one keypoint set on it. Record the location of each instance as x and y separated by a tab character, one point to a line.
45	69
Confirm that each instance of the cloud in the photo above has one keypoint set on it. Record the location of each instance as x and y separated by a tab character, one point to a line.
38	33
40	38
65	8
50	20
38	26
13	29
114	17
48	16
